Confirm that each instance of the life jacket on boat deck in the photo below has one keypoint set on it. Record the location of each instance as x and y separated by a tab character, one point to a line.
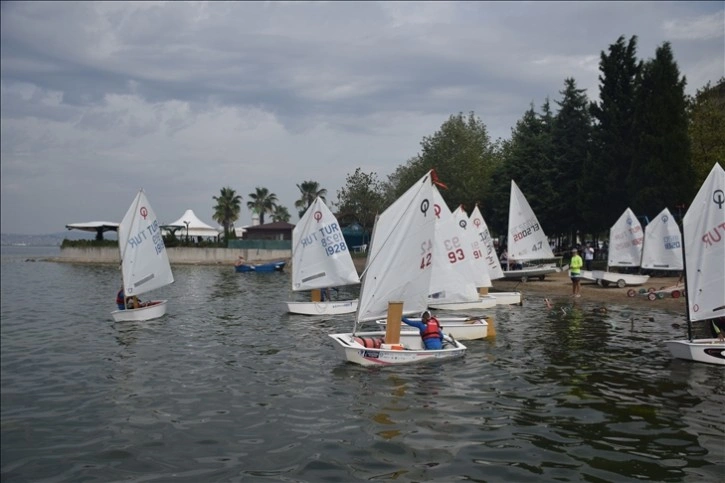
432	329
369	342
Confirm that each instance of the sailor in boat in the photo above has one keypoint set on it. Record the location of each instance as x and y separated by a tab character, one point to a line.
240	261
124	303
717	327
120	302
430	330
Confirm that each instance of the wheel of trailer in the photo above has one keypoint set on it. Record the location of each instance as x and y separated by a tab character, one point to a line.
524	278
676	294
660	295
621	283
542	277
605	283
652	296
643	291
652	289
631	292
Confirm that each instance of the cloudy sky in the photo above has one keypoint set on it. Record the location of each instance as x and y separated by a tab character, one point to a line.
182	99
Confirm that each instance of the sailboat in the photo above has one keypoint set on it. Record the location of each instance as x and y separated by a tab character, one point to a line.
526	241
483	237
662	244
704	249
144	261
320	259
455	276
626	239
396	281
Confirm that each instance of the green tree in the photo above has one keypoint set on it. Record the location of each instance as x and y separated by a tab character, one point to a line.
613	146
571	139
463	156
527	159
262	202
227	209
280	213
309	191
361	199
707	129
661	173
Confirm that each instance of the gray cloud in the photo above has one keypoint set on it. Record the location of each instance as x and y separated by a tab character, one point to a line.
183	98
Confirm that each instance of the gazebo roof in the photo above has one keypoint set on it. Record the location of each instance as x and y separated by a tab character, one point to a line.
195	225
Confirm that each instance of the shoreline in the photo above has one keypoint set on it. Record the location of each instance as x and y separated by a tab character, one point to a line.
557	288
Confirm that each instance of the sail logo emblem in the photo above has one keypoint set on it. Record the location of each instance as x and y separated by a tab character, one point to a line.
437	210
718	198
477	222
424	205
317	216
144	212
462	224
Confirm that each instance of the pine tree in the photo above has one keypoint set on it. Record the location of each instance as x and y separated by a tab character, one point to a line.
605	173
661	173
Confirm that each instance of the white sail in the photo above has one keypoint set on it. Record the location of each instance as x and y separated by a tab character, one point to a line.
400	255
484	238
704	232
477	250
144	261
320	255
662	243
453	277
526	237
625	241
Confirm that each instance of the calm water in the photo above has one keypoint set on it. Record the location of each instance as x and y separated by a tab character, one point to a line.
228	387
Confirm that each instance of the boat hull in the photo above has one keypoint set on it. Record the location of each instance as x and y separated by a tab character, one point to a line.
461	328
484	302
262	267
711	351
351	349
527	273
621	280
155	309
507	298
334	307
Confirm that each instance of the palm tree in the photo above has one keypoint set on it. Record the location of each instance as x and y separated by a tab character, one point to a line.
310	190
262	202
280	214
226	211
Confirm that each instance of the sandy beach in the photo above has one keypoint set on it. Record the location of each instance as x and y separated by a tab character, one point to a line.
558	286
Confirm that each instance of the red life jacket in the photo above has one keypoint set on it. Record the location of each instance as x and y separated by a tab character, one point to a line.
432	328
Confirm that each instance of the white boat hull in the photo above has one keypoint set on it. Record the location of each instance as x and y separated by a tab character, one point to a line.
527	273
352	350
156	309
484	302
711	351
461	328
507	298
621	280
333	307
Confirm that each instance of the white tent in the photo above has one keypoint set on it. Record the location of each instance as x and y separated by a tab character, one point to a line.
195	226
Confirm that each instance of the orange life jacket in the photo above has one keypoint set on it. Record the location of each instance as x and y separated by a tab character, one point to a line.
432	329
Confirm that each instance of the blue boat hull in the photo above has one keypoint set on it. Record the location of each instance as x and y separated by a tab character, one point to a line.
262	267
